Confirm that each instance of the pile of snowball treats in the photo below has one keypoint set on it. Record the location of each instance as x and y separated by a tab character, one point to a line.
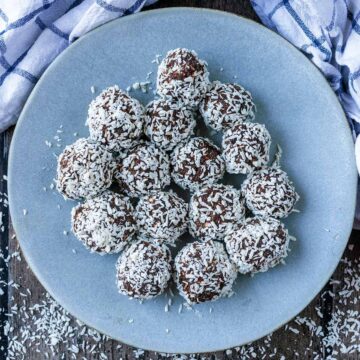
143	151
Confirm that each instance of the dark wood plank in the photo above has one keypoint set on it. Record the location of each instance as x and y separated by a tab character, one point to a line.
284	343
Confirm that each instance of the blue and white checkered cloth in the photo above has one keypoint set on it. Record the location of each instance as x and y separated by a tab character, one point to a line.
328	32
34	32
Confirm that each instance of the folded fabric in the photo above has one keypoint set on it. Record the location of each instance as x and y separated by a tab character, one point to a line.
328	32
34	32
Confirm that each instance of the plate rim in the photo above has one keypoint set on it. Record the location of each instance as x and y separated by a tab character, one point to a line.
171	10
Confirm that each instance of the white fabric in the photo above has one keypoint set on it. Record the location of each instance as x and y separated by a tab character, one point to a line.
34	32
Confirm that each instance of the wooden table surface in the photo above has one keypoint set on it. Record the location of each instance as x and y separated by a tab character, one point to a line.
327	329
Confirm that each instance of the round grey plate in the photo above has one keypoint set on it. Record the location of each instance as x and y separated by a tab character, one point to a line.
300	111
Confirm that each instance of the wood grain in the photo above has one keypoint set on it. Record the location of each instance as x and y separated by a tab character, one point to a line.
284	343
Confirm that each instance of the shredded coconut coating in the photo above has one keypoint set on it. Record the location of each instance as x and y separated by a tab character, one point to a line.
115	119
145	169
203	272
226	104
196	163
268	192
162	217
123	153
257	244
182	75
168	122
84	170
104	224
214	210
143	270
246	147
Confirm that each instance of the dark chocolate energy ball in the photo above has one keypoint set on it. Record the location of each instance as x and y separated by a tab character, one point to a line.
204	272
146	168
85	169
183	76
214	210
104	224
196	163
143	270
226	104
257	244
246	147
269	192
162	216
168	122
115	119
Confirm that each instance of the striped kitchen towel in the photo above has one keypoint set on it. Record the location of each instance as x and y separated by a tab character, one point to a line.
34	32
328	32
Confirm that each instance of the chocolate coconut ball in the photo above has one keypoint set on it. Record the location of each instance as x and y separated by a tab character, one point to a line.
162	216
168	122
214	210
183	76
246	147
226	104
115	119
146	168
196	163
84	170
204	272
104	224
257	244
143	270
269	192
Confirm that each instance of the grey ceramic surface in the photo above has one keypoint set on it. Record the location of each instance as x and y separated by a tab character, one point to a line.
295	103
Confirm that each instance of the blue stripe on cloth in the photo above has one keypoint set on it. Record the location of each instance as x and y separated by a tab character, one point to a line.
22	21
306	30
41	24
320	39
3	16
353	77
135	7
2	46
276	8
59	32
53	28
4	63
75	4
110	7
340	48
355	24
11	68
25	74
332	22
